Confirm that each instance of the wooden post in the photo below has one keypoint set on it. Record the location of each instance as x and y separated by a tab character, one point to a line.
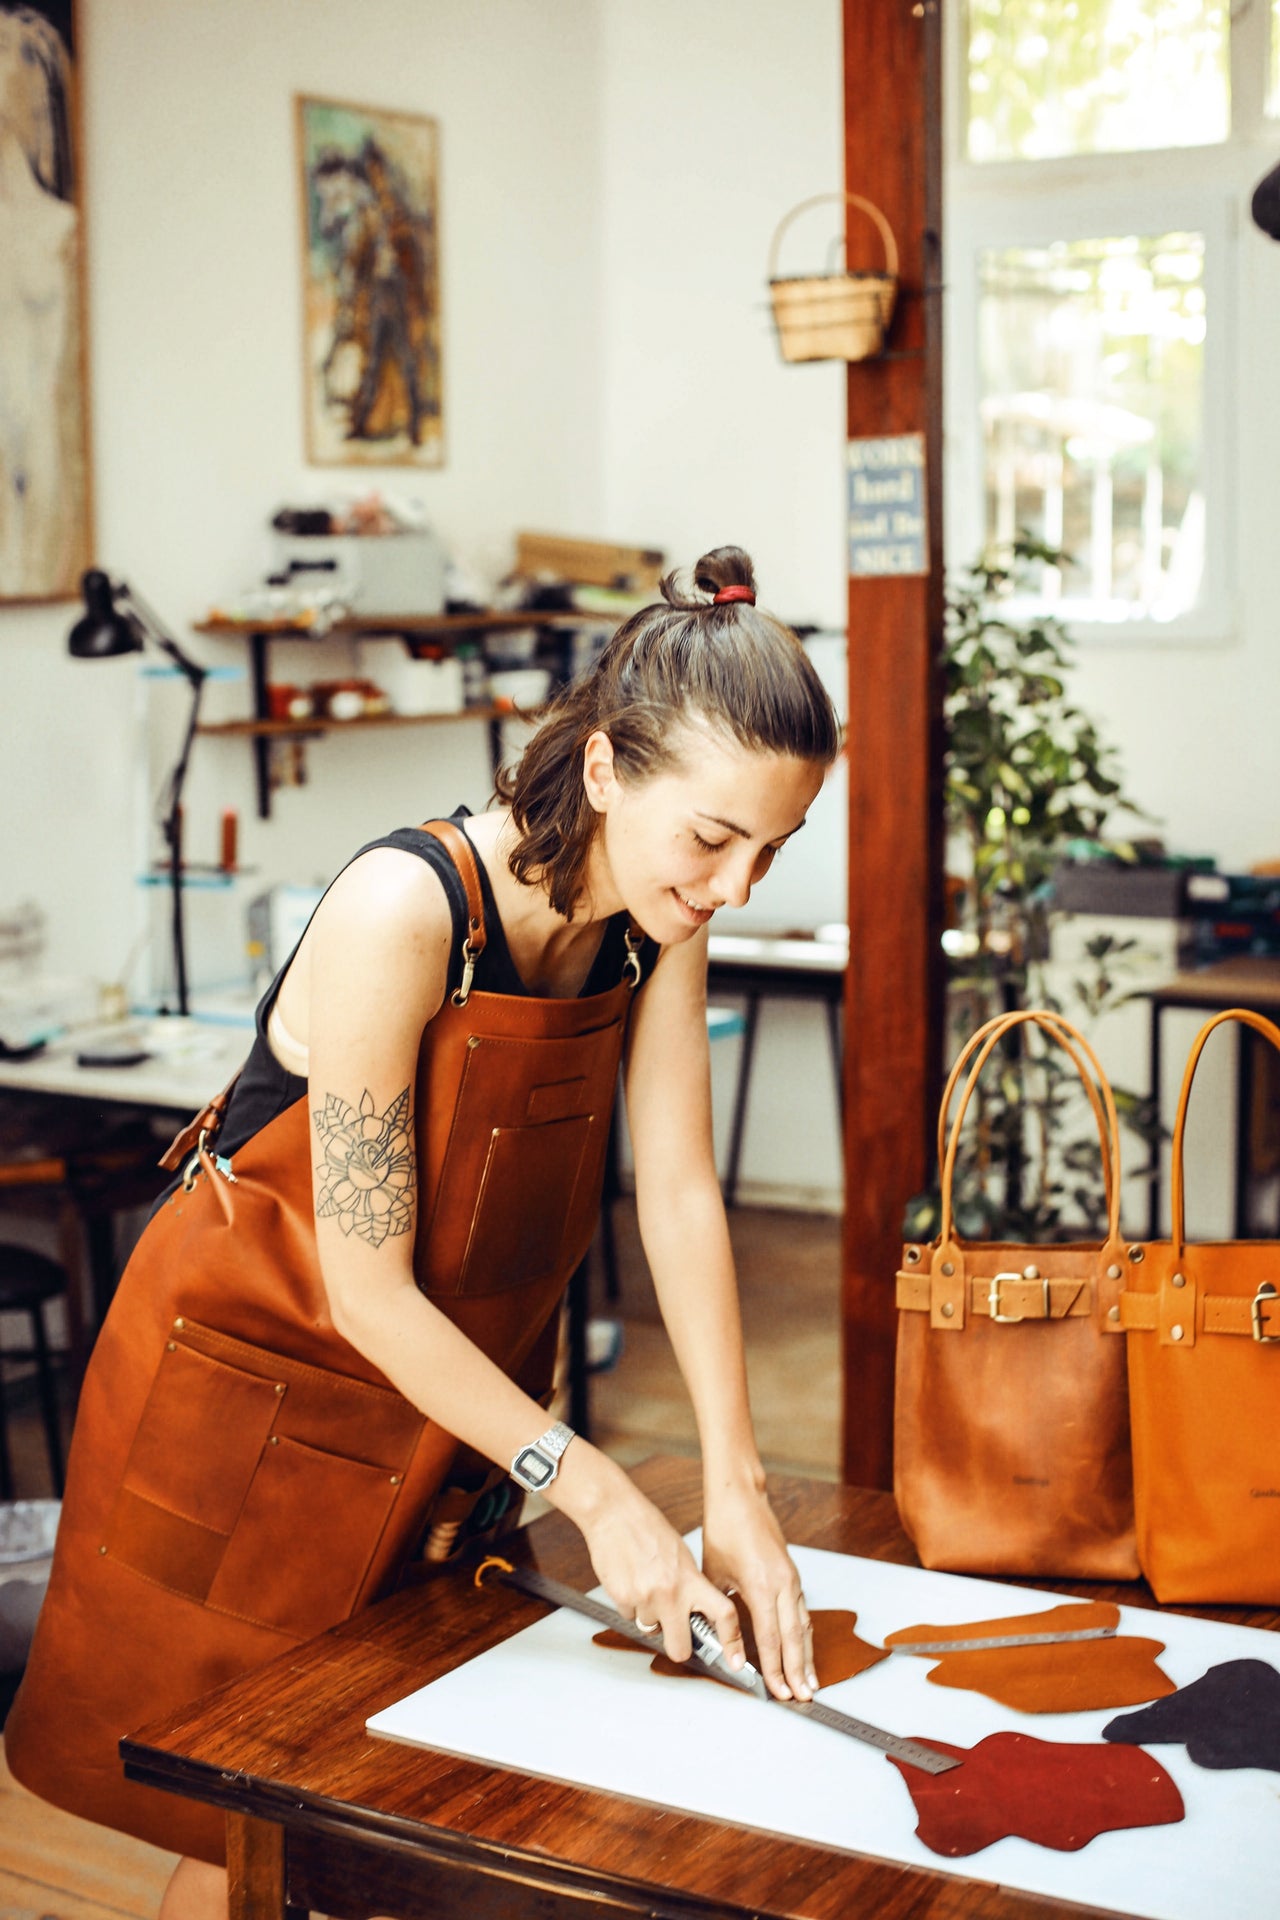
893	1006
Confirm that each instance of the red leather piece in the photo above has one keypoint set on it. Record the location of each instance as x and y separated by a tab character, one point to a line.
1054	1794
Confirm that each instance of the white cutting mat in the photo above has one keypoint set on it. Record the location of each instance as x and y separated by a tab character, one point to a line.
547	1702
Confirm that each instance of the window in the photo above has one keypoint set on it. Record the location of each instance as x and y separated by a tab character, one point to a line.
1052	77
1092	406
1100	159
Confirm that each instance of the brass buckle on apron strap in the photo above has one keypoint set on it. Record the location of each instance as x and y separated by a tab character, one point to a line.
631	965
470	954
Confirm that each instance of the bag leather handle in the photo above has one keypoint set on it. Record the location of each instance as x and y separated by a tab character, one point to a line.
978	1050
1000	1025
1177	1188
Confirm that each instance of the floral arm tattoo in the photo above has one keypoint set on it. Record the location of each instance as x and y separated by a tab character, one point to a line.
369	1168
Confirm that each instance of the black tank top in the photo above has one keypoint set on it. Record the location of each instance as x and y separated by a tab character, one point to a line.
265	1088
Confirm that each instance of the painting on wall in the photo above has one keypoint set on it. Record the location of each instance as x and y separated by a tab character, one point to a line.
45	536
371	239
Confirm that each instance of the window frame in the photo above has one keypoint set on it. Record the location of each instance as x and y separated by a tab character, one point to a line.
991	205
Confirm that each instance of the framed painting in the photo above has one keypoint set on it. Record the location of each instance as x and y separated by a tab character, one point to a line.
45	531
371	297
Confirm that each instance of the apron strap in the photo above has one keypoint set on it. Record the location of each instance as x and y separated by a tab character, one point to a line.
202	1131
462	853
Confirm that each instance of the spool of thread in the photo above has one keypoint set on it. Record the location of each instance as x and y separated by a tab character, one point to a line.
230	837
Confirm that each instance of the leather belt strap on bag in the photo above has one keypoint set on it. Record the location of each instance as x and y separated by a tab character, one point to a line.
1005	1297
1257	1317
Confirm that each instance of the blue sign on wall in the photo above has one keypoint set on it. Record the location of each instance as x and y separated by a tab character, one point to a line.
887	529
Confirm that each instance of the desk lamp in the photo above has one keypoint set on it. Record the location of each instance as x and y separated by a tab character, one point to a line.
118	620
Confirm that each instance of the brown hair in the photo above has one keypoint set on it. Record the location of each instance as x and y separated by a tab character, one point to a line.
683	657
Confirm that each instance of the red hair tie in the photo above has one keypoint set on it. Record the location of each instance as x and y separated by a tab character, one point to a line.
727	595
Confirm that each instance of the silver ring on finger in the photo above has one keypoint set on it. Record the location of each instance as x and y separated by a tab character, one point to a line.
645	1626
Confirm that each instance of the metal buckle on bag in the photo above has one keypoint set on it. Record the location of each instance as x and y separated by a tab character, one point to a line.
1013	1319
993	1301
1262	1299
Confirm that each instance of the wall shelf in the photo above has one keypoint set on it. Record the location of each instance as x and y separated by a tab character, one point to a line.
259	633
314	727
421	626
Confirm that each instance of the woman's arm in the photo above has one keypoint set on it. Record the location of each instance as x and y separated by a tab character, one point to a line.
377	959
686	1238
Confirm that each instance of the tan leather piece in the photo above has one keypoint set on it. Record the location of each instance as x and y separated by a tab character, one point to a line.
1011	1444
1076	1676
1081	1678
838	1653
185	1556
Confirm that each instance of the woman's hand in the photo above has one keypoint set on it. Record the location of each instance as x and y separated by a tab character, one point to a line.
651	1576
744	1552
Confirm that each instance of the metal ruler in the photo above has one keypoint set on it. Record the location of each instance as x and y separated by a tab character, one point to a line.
1004	1640
746	1680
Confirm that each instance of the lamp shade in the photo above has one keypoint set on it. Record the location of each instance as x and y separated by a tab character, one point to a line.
104	629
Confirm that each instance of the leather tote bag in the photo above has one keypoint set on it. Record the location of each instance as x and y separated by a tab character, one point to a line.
1011	1431
1203	1342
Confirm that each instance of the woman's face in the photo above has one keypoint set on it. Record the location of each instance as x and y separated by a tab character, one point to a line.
673	846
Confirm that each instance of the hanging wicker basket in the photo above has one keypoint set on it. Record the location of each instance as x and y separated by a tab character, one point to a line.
833	316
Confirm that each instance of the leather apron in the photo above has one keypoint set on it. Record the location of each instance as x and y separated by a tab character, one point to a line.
241	1477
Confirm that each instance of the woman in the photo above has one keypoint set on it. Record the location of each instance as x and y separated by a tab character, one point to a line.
361	1266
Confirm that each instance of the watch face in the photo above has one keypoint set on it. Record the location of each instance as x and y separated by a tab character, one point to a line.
533	1467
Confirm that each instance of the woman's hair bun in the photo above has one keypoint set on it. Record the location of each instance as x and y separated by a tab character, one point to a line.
722	567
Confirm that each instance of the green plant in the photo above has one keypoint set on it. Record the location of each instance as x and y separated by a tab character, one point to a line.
1027	777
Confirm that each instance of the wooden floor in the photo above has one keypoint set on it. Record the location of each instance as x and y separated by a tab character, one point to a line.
54	1867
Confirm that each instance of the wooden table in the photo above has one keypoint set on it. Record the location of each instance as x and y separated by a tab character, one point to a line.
321	1815
1249	982
103	1129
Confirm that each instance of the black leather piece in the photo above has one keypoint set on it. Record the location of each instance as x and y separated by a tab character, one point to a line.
1228	1718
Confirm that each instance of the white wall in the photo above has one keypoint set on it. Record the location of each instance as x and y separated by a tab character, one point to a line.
611	174
716	120
195	329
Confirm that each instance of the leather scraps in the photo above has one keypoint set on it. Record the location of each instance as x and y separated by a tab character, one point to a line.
1012	1786
1230	1717
838	1653
1072	1676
